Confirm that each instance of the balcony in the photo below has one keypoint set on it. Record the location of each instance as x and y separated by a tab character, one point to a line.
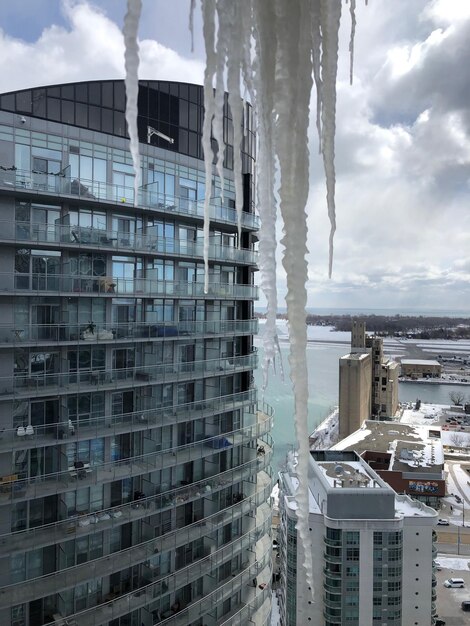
150	594
89	192
79	525
116	241
35	384
67	284
113	425
120	333
19	489
206	564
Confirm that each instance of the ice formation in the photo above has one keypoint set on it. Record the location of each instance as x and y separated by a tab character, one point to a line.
293	41
131	60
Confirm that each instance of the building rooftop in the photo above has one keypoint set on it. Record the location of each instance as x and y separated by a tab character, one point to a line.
356	356
419	362
352	474
410	447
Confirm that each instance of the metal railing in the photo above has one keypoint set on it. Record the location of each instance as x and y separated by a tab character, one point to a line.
31	233
148	198
111	425
20	489
78	574
29	333
151	593
68	382
18	283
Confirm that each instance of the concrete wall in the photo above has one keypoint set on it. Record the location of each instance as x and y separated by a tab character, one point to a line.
354	392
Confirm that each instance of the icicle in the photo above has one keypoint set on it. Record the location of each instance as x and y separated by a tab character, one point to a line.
192	8
316	57
208	14
264	82
352	11
292	96
330	15
131	59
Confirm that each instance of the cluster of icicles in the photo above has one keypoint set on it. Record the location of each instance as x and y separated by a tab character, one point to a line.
276	49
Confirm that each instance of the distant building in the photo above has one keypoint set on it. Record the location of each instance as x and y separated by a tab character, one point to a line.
409	458
421	368
372	548
368	382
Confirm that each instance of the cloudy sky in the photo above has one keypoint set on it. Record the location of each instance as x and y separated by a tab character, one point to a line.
402	144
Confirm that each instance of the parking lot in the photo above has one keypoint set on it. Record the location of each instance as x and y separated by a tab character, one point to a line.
449	600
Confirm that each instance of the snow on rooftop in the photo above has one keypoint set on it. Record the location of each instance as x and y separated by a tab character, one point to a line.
355	437
407	507
419	362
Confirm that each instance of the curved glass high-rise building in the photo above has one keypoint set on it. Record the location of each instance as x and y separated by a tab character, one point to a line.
135	460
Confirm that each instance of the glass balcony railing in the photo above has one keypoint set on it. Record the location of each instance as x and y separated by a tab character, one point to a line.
19	489
113	425
72	382
17	283
77	236
79	524
131	331
207	564
91	190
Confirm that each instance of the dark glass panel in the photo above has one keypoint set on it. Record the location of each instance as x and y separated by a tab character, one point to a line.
107	95
23	102
142	100
8	102
193	144
174	110
94	118
194	93
81	92
184	92
81	114
119	124
67	92
228	161
183	141
53	92
183	120
53	109
164	107
193	116
142	128
94	93
119	96
163	87
107	121
153	103
39	102
68	112
174	89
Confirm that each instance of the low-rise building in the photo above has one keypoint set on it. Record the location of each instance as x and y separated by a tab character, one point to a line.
421	368
409	458
372	549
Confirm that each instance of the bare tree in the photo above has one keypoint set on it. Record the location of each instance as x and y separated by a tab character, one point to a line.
457	439
457	397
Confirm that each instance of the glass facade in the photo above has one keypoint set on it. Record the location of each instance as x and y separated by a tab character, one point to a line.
132	489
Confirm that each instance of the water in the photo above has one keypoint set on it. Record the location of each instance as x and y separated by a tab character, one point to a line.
389	312
323	369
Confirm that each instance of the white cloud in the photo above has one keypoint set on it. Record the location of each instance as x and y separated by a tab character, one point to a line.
90	47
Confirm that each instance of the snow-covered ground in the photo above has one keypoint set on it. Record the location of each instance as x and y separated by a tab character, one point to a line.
275	615
450	562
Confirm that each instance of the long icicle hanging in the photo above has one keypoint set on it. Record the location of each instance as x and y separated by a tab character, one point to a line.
293	41
131	61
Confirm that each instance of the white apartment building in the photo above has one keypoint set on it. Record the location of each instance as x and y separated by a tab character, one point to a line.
372	549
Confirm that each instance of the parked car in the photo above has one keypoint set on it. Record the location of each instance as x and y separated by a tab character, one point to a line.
459	499
455	583
440	622
465	605
443	522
